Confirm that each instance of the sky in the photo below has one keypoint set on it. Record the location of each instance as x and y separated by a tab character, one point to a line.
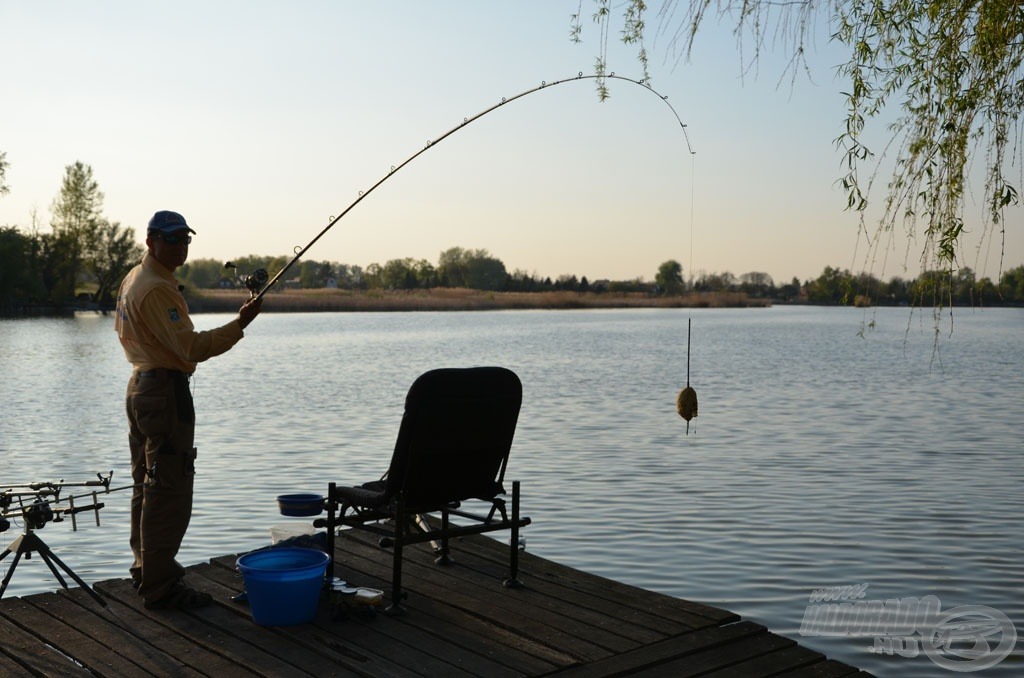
260	121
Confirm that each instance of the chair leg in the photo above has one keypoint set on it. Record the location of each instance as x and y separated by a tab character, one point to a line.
332	506
513	581
444	556
396	607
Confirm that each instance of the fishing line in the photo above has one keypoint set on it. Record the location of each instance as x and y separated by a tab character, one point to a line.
686	401
299	251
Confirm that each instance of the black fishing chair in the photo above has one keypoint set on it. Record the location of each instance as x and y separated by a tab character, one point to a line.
452	447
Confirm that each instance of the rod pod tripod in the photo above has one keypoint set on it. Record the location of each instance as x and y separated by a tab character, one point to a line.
28	543
45	507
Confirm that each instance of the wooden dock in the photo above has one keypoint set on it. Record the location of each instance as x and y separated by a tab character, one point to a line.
460	622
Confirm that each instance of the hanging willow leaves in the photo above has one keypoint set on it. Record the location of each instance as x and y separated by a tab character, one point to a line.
947	71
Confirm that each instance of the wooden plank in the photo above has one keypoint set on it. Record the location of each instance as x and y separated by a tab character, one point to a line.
655	610
39	616
170	647
775	663
590	607
21	650
720	656
360	639
650	656
525	606
683	611
829	668
10	668
251	648
167	653
503	606
451	633
640	609
408	647
470	632
109	635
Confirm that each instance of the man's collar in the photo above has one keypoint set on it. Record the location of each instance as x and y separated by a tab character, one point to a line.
153	264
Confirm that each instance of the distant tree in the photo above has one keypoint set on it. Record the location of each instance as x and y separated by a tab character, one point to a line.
476	269
17	274
833	286
325	271
57	258
757	284
790	291
1011	285
485	272
79	205
669	278
715	282
76	218
315	274
426	274
372	276
568	282
399	274
629	286
349	276
522	281
110	257
897	290
203	273
452	267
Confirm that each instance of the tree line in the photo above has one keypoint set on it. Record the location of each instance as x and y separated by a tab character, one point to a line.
84	257
479	270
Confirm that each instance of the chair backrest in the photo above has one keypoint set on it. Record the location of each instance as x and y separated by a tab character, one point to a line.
455	436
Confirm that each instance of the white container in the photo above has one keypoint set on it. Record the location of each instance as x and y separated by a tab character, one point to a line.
283	531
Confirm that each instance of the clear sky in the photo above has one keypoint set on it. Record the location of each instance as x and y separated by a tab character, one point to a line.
260	120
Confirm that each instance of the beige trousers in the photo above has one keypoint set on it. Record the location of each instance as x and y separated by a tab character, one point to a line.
161	436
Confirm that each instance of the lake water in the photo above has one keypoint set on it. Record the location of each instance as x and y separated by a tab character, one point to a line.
827	452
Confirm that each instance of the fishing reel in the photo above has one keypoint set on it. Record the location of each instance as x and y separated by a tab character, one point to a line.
254	282
37	514
37	504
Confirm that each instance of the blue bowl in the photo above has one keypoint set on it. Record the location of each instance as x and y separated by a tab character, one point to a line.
300	504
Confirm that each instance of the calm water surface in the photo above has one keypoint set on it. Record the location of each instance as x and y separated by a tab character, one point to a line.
820	457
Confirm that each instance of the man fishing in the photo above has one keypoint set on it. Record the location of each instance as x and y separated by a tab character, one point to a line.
159	340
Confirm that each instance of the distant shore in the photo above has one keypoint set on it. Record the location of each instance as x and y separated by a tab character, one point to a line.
457	299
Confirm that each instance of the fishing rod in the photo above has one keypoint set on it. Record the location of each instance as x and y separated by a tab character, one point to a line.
257	281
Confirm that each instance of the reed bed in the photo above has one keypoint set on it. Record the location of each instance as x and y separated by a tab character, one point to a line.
456	299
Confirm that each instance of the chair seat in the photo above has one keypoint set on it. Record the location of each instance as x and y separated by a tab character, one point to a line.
370	495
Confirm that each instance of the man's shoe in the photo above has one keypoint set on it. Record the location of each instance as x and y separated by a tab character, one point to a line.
180	597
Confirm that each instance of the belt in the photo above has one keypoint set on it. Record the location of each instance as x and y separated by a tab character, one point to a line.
161	371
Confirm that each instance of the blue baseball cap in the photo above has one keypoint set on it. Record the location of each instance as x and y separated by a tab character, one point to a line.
167	222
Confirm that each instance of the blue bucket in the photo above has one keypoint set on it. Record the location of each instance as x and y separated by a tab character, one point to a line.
283	584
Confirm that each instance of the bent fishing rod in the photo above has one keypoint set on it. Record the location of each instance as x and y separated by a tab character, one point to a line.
258	283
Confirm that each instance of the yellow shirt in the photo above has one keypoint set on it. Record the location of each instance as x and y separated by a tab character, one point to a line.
153	325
